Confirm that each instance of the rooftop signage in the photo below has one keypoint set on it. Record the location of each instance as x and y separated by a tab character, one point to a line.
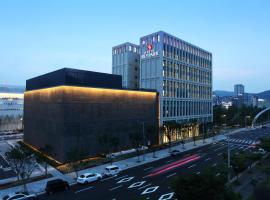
149	52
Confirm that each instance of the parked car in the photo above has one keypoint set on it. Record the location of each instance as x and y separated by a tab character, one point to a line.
112	170
175	152
260	151
88	178
56	185
20	196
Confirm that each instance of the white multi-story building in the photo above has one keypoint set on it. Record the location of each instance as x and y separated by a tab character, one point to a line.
126	62
182	74
11	107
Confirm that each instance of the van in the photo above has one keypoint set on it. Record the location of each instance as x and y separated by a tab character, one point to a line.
112	170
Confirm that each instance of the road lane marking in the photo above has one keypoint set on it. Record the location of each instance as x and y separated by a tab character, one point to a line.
145	186
171	175
150	190
217	174
198	173
148	168
192	166
116	187
166	196
137	184
105	179
207	159
169	161
120	177
83	189
215	164
125	180
219	148
219	154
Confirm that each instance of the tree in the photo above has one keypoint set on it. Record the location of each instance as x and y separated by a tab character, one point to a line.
22	161
168	130
204	186
114	143
194	122
74	158
150	134
239	163
136	142
40	158
109	143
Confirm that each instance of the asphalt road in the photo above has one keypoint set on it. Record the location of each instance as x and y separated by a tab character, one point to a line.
152	180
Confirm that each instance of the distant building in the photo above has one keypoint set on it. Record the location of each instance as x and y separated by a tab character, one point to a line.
126	62
239	89
11	107
263	103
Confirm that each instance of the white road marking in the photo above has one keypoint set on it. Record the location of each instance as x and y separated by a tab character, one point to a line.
83	190
219	154
115	187
215	164
207	159
120	177
218	148
171	175
150	190
192	166
125	180
148	168
166	196
169	161
198	173
107	178
145	186
217	174
137	184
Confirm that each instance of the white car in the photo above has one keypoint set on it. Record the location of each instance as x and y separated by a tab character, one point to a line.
20	196
112	170
88	178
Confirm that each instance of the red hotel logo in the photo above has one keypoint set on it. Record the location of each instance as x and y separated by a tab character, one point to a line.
149	47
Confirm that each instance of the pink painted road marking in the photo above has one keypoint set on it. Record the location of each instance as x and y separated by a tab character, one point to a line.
174	165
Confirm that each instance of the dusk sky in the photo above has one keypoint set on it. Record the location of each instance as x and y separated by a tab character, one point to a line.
37	37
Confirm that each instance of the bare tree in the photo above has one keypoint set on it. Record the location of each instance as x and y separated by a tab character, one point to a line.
136	141
41	157
22	161
74	158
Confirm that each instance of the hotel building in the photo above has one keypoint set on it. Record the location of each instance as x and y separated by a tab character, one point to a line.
182	74
126	62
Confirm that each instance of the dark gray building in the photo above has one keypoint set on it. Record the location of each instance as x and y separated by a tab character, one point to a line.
73	108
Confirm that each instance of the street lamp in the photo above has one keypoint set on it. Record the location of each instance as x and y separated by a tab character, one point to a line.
224	116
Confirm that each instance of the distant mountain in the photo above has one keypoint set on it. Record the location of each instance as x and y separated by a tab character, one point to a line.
264	95
223	93
12	89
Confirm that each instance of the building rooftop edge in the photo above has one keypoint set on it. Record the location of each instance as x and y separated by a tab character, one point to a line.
176	38
124	89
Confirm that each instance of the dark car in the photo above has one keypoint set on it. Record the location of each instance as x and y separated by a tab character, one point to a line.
56	185
175	152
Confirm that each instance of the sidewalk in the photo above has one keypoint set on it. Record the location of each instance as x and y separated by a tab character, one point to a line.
39	186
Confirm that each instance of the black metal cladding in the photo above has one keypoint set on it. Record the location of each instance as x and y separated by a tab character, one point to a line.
75	77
